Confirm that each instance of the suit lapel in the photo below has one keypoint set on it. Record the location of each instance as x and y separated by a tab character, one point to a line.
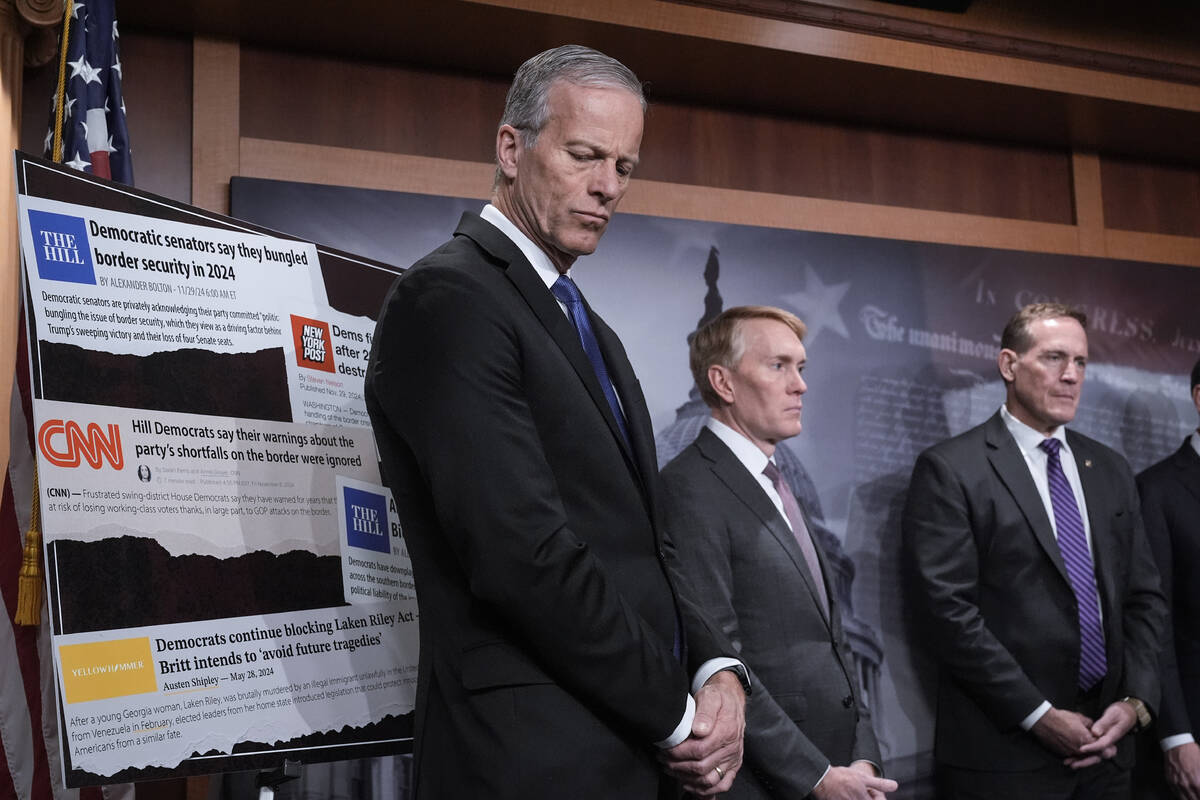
1097	495
1008	463
1188	463
525	279
633	403
733	473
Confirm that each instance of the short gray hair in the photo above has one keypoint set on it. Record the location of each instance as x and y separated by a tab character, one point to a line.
1016	335
527	107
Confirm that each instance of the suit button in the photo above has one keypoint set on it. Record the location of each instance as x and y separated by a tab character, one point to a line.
847	701
662	555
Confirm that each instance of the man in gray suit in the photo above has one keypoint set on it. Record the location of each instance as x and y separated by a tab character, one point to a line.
744	545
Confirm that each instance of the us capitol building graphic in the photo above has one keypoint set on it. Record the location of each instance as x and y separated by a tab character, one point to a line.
865	645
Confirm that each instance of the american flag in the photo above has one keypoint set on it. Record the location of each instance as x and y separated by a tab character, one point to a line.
90	134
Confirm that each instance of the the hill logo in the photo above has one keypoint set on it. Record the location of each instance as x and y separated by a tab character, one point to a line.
366	520
60	245
65	444
314	345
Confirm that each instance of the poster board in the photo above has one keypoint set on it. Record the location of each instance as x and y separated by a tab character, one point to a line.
227	580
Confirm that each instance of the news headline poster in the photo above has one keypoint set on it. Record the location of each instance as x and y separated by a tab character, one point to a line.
902	343
227	579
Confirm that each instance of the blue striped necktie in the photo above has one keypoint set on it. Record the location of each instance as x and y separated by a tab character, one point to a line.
566	291
1072	542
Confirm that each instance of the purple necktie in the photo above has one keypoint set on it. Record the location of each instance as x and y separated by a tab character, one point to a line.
568	293
1072	541
799	530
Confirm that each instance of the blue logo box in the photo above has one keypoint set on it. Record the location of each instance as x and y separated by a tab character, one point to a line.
366	520
60	244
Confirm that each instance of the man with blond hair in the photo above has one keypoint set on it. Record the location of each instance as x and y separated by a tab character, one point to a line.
745	545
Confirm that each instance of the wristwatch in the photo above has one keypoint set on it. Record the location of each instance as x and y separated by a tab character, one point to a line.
1139	708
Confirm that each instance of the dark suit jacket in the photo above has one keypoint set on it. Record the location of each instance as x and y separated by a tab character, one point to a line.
748	573
547	613
998	609
1170	492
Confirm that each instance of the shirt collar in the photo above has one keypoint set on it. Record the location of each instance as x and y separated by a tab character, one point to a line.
536	256
746	451
1029	439
1196	441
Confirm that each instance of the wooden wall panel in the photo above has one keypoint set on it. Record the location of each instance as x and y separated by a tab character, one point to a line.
158	100
1151	198
396	110
732	150
216	121
341	103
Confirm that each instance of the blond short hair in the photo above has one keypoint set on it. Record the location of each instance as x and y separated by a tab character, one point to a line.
720	342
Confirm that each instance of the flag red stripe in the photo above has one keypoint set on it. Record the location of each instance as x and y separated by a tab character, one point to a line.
100	165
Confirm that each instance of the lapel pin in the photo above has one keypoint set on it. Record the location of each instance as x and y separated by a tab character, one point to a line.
1087	462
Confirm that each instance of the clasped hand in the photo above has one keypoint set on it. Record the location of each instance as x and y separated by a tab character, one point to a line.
706	763
1082	741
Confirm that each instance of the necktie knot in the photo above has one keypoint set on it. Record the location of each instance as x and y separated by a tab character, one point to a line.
566	291
1051	446
772	472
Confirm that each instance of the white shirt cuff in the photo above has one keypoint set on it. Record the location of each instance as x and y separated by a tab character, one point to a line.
1171	742
683	730
818	783
712	667
1038	713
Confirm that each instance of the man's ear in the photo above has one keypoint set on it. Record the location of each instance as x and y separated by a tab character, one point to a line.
1196	396
1006	362
719	380
508	150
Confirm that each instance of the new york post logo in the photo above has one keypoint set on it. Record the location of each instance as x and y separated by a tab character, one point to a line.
65	444
314	345
61	247
366	520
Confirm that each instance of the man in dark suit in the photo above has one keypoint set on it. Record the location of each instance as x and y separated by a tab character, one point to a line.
1038	589
556	654
745	545
1170	493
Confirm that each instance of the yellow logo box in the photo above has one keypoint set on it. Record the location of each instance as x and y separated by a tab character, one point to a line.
98	670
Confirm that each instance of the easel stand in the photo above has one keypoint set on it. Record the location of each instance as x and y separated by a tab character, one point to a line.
268	781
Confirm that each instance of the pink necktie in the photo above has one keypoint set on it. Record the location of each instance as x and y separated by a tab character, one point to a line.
799	530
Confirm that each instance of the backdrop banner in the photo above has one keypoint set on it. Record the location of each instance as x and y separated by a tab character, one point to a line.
902	343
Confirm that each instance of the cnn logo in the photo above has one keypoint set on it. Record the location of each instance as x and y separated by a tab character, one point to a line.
65	444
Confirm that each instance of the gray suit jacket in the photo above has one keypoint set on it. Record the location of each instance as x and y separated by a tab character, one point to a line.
996	603
746	569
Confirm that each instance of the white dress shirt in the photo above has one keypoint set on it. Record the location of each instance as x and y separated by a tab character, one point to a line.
753	459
